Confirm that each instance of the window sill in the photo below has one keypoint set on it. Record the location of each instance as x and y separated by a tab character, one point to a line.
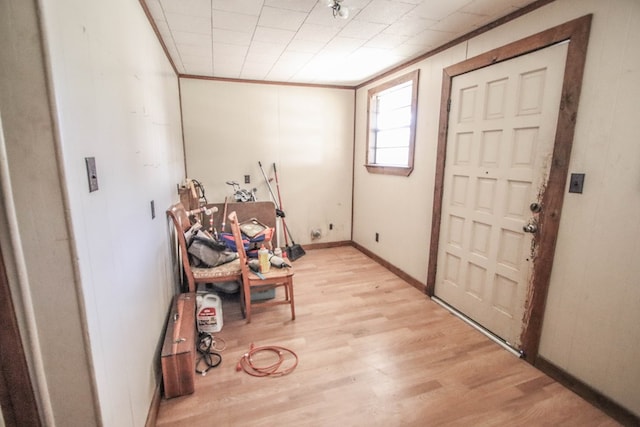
389	170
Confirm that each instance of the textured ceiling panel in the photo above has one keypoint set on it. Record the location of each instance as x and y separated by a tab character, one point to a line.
300	41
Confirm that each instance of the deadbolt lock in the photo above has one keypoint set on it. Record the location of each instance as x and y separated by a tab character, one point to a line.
530	228
535	207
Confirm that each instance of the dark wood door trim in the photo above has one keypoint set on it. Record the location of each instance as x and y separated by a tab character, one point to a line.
576	32
17	398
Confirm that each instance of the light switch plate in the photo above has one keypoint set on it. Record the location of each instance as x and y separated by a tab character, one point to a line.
92	174
576	183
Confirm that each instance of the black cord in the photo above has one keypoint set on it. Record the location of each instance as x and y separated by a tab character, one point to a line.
200	188
208	357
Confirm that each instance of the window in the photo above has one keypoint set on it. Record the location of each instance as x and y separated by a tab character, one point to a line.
392	126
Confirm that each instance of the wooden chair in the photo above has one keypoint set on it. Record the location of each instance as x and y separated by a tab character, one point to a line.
230	271
276	277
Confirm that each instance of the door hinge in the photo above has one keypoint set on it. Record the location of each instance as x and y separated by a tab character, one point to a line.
449	105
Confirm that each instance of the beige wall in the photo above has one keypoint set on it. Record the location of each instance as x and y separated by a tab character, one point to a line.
592	321
94	263
117	100
34	236
308	132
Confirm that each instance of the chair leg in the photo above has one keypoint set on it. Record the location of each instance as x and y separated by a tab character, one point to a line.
289	289
245	303
247	306
243	308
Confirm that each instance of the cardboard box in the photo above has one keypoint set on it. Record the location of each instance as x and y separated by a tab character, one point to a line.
262	295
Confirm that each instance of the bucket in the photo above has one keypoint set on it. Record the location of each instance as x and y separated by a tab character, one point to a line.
208	313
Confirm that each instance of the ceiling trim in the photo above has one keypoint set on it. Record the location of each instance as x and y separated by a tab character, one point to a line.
265	82
147	12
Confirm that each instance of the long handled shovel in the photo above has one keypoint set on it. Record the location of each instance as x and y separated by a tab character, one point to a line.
295	251
279	212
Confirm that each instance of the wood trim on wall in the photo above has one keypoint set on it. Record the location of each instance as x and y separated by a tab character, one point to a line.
147	13
597	399
265	82
328	245
395	270
577	32
17	398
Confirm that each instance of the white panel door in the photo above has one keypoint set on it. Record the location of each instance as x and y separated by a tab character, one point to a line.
502	123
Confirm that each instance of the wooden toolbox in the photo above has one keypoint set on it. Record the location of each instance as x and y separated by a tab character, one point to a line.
178	351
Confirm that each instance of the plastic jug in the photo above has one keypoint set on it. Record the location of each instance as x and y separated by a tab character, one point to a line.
208	313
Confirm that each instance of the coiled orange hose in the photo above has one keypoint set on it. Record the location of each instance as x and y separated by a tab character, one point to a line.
275	369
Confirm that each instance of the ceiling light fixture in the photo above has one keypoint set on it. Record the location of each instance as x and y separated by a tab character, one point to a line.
338	9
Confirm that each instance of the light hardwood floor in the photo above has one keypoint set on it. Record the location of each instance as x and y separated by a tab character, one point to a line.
373	351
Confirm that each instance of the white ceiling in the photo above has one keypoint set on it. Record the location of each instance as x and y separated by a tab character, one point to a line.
299	41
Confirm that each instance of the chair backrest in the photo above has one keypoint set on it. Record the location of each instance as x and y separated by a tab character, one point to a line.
237	237
242	254
181	224
179	216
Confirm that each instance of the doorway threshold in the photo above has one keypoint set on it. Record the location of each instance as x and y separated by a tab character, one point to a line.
493	337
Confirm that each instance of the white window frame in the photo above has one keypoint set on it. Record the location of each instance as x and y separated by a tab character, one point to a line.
372	130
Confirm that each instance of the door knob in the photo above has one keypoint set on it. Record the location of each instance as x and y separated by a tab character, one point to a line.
530	228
